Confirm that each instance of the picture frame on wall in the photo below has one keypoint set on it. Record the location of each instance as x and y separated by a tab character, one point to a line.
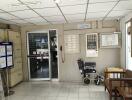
92	45
110	40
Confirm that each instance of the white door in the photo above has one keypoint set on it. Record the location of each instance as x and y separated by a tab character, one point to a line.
38	55
128	48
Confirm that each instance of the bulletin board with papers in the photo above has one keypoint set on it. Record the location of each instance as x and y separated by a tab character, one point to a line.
72	43
110	40
6	54
92	45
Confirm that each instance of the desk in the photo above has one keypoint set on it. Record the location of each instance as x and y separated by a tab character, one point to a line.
125	92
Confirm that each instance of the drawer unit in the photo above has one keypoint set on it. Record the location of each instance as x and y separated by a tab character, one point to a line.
16	74
2	35
16	46
17	67
17	53
16	78
14	35
15	70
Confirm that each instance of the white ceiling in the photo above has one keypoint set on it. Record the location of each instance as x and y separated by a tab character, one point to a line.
41	12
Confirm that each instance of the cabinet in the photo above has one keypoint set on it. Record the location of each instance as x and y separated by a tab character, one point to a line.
2	35
92	45
16	73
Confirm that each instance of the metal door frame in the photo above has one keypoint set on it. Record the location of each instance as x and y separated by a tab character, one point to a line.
58	60
126	45
45	31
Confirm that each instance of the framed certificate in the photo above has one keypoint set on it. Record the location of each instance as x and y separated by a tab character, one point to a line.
2	50
9	49
110	40
3	62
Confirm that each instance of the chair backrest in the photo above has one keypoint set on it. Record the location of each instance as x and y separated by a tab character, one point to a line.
90	64
128	74
80	64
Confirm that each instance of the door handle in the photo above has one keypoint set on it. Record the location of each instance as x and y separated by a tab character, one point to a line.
35	56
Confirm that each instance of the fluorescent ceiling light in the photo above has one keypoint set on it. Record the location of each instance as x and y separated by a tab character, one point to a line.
27	3
57	1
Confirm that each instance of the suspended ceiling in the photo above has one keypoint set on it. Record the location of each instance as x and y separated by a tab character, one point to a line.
41	12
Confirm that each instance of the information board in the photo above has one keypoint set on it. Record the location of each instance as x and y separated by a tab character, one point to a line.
9	49
6	54
109	40
2	50
9	61
2	62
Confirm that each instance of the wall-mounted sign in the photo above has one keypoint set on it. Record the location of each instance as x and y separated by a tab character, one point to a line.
92	45
6	55
84	26
2	62
2	50
110	40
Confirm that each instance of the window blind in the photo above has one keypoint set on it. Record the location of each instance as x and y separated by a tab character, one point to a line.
71	43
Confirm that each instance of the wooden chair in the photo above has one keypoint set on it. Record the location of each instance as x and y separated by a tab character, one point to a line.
120	85
125	89
111	74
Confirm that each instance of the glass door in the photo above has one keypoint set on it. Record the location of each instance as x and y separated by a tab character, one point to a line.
53	53
128	47
39	55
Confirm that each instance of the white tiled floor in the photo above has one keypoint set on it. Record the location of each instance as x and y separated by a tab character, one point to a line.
58	91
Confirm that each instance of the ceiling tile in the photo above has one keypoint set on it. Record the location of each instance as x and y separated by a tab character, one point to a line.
11	5
49	11
124	5
19	21
41	23
25	14
72	2
75	17
55	19
25	24
7	16
74	9
98	1
58	22
96	15
39	3
101	7
7	21
118	13
35	20
77	20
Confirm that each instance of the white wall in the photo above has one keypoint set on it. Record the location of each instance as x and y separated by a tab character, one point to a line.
123	30
68	71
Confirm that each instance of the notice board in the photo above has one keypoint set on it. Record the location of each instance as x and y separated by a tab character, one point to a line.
110	40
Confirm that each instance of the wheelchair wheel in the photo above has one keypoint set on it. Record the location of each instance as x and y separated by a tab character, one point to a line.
86	80
97	82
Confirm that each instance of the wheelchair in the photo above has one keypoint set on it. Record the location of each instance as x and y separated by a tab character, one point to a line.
88	72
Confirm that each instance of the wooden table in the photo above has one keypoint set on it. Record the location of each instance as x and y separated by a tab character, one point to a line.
125	92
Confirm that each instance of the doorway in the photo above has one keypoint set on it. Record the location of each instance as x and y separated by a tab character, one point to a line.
128	47
42	55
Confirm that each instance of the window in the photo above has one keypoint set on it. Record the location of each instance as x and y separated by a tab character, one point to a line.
128	47
71	43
